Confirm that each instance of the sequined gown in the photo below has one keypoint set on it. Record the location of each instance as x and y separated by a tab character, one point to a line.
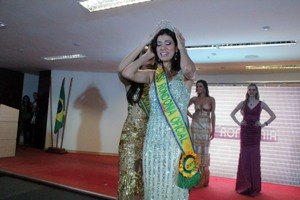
249	175
130	185
200	129
161	151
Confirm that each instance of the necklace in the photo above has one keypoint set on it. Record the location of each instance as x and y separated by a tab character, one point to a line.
251	103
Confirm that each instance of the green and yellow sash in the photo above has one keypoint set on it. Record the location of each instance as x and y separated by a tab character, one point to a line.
189	174
144	102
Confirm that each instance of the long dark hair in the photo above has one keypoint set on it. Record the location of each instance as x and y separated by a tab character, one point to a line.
132	90
135	86
26	107
204	83
175	62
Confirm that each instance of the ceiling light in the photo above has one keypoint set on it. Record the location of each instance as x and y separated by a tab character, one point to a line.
273	67
277	81
243	45
96	5
251	56
2	25
64	57
265	28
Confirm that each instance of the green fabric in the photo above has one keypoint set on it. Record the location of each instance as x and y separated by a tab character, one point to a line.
188	183
60	114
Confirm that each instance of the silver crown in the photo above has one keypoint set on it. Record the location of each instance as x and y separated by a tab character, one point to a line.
163	24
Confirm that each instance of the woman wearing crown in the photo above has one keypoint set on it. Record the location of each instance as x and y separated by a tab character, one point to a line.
170	166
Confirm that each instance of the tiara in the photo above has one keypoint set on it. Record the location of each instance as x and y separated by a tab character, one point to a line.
165	24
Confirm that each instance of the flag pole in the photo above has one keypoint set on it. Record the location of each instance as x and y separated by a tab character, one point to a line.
59	120
51	115
63	132
57	136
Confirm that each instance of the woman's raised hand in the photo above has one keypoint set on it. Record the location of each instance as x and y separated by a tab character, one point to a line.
180	39
149	52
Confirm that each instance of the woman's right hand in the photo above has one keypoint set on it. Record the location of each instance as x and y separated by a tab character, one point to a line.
180	39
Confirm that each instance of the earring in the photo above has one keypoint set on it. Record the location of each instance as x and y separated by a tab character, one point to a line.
176	55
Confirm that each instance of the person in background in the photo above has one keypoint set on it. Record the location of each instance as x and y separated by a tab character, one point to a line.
34	106
130	184
248	180
203	127
170	86
26	115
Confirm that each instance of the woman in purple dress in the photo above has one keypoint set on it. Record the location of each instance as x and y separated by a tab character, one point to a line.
249	175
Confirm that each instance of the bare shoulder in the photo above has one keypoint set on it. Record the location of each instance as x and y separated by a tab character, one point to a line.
263	104
211	99
241	104
193	99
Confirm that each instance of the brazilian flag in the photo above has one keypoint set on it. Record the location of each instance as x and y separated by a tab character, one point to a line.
60	114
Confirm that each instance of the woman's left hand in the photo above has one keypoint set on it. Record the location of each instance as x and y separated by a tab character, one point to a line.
258	124
180	39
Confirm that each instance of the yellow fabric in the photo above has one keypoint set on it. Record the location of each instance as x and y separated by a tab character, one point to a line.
171	111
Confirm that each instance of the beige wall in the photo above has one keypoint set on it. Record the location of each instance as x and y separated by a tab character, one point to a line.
96	112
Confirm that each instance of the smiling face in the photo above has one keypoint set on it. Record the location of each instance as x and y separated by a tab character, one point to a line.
200	88
165	48
252	91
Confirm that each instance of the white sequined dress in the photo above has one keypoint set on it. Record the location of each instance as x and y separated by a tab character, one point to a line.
161	152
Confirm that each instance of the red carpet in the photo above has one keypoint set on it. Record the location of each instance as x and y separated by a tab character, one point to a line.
99	174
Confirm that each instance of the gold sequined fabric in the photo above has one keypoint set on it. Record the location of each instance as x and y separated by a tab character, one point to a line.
130	185
200	129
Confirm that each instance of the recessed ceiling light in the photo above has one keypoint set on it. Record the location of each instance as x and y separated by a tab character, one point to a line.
277	81
265	28
2	25
64	57
273	67
96	5
251	56
243	45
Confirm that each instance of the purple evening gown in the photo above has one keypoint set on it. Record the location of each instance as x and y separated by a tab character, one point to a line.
249	175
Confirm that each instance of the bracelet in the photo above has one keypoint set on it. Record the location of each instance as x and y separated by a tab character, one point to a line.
266	123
